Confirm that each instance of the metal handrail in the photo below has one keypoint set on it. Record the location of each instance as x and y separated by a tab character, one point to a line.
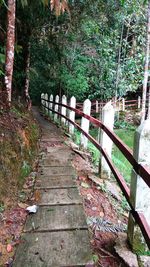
143	171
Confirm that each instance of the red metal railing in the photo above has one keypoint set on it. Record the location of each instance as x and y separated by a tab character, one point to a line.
143	171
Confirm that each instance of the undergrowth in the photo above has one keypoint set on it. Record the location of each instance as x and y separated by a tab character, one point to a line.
126	133
18	147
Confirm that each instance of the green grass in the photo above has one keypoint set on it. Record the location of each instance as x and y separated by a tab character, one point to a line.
122	164
126	134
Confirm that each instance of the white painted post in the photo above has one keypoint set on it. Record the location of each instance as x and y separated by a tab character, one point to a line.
56	107
106	143
63	109
123	104
139	191
139	102
46	102
72	114
42	101
50	104
96	106
85	123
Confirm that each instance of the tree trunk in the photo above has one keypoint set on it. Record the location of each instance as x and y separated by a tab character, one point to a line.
119	62
148	114
146	68
27	78
10	43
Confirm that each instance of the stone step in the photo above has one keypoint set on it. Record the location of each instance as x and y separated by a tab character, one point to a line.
59	196
57	218
65	170
52	182
55	249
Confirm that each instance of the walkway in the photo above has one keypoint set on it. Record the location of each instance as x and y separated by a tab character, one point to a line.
57	234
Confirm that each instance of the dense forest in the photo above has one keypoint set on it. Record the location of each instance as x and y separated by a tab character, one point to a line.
81	48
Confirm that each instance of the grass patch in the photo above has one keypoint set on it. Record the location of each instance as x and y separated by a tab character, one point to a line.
126	134
122	164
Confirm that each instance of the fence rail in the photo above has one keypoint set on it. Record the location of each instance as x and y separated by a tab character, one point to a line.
143	171
121	104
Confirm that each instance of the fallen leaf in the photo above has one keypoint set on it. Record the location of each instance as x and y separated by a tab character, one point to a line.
37	195
22	205
101	214
9	248
85	185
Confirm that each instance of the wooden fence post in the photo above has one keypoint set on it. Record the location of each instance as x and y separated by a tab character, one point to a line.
139	190
50	104
106	143
56	107
72	114
123	104
139	102
85	123
63	109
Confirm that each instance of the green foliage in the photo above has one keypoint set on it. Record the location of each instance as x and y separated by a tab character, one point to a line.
25	170
81	57
124	125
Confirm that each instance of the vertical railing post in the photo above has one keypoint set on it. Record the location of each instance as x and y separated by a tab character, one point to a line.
139	190
63	109
85	123
46	103
50	104
72	114
42	101
106	143
96	106
123	104
139	102
56	107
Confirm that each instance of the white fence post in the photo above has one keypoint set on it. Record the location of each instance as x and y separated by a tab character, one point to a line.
46	102
56	107
96	106
106	143
123	104
63	109
42	101
50	103
139	102
72	114
139	191
85	123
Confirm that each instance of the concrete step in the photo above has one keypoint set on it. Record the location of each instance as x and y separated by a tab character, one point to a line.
51	182
55	249
65	170
59	196
57	218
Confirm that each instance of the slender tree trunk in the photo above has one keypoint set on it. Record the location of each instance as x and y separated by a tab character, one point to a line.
27	79
148	114
10	43
119	62
146	68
